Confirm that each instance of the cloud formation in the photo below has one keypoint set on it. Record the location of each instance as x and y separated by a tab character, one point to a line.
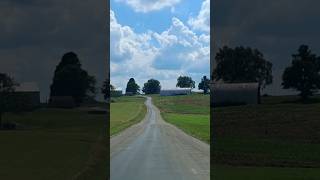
164	56
145	6
35	34
275	27
202	21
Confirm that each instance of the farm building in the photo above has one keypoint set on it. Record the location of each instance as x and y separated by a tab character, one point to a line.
28	94
115	93
174	92
235	93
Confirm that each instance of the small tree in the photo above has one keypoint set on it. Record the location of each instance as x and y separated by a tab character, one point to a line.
112	88
304	73
204	84
106	88
6	88
132	87
185	82
152	86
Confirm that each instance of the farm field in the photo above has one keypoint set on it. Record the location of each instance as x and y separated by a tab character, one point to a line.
280	137
126	111
54	144
191	113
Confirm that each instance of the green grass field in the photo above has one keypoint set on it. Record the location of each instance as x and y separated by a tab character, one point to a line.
280	138
126	111
54	144
191	113
264	173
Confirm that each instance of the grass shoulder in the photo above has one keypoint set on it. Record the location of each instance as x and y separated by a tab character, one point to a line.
126	111
191	113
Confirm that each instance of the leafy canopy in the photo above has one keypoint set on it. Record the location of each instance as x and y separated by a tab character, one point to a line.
152	86
242	65
71	80
7	103
303	74
185	82
204	84
132	86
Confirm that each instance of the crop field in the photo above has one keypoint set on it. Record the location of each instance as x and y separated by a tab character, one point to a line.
191	113
54	144
126	111
280	137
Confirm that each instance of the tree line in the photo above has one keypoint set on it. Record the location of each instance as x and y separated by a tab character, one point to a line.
152	86
244	65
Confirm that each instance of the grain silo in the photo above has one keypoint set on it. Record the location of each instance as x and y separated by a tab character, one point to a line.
235	94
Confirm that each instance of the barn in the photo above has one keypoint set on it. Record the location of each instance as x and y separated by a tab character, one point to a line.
175	92
29	94
235	94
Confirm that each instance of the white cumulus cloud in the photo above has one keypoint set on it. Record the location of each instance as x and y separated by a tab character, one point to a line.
150	5
163	56
202	21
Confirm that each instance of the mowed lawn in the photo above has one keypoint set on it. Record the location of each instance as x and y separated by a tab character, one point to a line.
126	111
191	113
279	139
54	144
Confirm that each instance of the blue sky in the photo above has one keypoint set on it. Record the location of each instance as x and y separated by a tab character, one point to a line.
159	39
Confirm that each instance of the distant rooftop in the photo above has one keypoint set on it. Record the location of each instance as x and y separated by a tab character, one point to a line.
235	86
173	89
27	87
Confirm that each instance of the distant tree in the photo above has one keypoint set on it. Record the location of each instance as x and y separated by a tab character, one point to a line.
304	73
185	82
204	84
71	80
112	88
152	86
106	88
242	65
6	88
132	87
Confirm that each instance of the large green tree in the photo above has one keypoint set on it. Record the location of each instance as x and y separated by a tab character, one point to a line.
152	86
7	85
242	65
204	84
185	82
304	73
71	80
132	87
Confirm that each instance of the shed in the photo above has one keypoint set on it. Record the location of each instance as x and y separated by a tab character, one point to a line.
235	94
29	94
175	92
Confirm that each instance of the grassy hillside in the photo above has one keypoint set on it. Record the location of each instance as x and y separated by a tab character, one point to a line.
54	144
191	113
280	137
126	111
